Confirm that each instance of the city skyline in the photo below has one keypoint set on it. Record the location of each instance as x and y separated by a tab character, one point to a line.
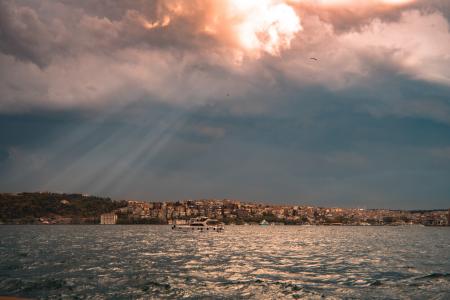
55	208
326	103
257	202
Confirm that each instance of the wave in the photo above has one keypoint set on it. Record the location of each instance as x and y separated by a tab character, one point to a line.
434	276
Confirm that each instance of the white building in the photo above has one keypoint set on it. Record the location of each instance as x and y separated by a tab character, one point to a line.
108	219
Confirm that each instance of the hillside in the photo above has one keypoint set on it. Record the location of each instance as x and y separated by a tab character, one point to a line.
25	208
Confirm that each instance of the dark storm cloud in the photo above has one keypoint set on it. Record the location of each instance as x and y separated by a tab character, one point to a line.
44	31
333	157
23	35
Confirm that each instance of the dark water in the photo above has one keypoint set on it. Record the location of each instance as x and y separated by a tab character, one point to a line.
274	262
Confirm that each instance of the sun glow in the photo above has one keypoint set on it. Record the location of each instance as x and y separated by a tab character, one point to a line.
264	25
163	23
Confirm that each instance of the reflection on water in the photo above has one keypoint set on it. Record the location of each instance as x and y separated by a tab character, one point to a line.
243	262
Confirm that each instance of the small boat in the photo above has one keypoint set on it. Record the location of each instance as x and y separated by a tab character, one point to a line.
264	223
201	224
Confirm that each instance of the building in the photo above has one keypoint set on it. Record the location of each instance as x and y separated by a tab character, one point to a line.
108	219
448	217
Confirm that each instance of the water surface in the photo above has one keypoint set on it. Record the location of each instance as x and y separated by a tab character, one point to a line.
256	262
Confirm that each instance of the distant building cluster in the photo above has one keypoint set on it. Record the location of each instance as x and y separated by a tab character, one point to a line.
236	212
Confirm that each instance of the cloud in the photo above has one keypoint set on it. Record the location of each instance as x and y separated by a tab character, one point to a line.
418	44
70	55
24	35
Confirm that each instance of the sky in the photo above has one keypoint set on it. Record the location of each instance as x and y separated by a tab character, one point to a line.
339	103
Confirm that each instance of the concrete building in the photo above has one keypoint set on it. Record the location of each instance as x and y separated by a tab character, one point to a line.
108	219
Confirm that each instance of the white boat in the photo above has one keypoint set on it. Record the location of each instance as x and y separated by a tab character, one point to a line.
264	223
201	224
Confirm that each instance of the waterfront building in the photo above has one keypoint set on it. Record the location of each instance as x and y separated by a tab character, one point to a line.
108	219
236	212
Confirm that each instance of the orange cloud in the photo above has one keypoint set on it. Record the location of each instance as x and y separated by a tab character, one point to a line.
253	26
363	3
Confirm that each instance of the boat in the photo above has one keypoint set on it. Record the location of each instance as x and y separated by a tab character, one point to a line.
264	223
201	224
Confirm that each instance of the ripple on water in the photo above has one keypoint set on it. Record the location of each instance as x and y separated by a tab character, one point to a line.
242	262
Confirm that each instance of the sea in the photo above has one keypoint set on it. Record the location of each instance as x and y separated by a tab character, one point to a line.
243	262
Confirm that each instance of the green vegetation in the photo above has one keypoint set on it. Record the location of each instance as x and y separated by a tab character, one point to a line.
26	208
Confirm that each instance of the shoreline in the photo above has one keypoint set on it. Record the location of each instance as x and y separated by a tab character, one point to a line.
242	225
